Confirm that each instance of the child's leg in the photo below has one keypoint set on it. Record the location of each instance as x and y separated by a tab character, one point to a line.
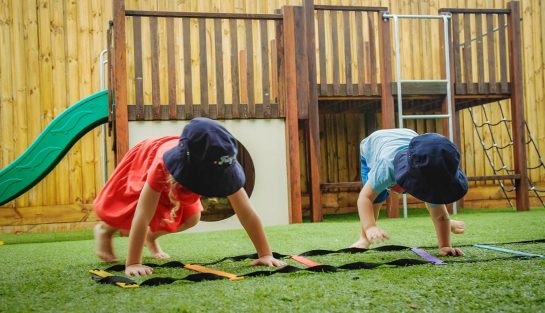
104	244
363	242
151	238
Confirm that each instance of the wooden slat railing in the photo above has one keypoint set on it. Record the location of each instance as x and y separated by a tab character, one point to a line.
216	65
348	50
480	51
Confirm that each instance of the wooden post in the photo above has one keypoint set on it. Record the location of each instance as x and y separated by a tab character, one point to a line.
517	106
444	104
313	138
120	81
386	98
292	98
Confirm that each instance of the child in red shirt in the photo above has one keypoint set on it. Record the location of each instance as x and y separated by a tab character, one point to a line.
156	190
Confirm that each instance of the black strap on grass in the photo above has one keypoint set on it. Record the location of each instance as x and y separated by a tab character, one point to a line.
316	252
198	277
171	264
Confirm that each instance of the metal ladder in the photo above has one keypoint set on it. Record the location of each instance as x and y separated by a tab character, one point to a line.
399	81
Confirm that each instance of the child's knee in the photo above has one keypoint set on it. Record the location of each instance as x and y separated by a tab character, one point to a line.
192	220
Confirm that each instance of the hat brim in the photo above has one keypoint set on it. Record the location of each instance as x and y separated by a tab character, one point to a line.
442	191
223	182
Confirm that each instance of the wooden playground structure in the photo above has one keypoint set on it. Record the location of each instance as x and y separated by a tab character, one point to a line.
294	78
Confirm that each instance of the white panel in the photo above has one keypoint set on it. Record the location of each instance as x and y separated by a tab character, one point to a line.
265	141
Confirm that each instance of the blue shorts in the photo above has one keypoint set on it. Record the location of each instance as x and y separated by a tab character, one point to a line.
364	172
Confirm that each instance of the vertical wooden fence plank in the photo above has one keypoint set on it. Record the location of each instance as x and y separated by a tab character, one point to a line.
138	75
360	57
250	68
456	56
243	79
220	91
493	88
373	53
335	52
280	110
85	74
6	96
503	53
203	68
188	80
19	47
58	57
322	53
172	101
266	106
274	73
347	54
155	83
468	63
480	54
46	88
235	107
33	89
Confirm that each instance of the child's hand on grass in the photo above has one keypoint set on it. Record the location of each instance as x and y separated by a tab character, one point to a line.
450	251
138	270
376	234
268	260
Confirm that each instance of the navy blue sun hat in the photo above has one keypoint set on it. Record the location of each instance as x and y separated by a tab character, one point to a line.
430	169
205	159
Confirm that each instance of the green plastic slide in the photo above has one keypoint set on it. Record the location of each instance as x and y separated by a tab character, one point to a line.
52	145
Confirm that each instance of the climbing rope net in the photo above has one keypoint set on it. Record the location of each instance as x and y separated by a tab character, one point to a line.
495	150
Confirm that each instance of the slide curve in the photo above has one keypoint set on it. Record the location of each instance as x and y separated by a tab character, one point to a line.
52	145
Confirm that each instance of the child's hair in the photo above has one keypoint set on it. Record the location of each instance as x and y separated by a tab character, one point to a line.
173	199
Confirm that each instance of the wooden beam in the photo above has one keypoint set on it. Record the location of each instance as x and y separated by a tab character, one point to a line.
210	15
445	103
313	139
291	103
517	106
120	80
387	99
155	84
203	69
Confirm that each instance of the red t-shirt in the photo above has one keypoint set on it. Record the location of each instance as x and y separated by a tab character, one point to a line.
116	202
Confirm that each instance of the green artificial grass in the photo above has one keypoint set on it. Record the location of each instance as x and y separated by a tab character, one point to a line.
49	272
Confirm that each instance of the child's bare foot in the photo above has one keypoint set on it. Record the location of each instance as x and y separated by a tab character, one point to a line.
104	245
457	227
362	243
154	248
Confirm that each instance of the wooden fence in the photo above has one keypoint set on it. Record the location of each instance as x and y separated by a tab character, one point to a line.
50	60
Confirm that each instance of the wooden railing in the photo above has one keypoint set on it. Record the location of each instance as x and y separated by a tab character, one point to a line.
216	65
479	35
348	50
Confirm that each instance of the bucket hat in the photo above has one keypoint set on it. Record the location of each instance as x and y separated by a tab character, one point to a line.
430	169
205	159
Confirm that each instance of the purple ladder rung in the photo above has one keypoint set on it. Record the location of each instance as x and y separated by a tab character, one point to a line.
428	257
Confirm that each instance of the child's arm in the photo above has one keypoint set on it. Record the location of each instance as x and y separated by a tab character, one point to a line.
252	224
145	209
367	215
441	221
